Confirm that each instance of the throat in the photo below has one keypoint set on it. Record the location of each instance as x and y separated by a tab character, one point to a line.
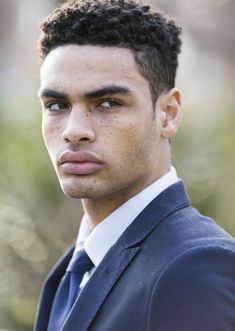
98	210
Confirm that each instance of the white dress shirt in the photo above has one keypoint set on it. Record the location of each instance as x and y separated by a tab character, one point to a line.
98	241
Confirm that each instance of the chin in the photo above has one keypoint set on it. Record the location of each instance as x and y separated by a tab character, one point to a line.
81	190
75	193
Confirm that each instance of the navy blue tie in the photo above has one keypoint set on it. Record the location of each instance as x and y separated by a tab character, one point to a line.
68	289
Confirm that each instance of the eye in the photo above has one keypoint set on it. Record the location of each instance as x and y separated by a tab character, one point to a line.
109	104
56	106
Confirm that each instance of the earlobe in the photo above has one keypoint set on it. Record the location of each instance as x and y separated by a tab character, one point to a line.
170	107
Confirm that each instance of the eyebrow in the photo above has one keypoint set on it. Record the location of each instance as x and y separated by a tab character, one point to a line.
100	92
107	90
49	93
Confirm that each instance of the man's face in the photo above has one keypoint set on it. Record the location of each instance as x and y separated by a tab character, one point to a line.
102	131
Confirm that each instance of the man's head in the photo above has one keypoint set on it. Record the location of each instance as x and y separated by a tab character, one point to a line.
153	38
108	98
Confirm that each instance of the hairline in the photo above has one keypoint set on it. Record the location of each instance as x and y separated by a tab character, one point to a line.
134	52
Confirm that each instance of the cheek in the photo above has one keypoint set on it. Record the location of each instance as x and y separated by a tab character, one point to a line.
141	143
51	134
127	143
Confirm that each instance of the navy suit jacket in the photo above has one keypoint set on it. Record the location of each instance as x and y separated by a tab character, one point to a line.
171	270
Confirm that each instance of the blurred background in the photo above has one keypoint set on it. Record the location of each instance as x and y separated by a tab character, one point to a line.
37	222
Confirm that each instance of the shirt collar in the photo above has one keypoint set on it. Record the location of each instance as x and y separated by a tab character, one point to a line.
105	234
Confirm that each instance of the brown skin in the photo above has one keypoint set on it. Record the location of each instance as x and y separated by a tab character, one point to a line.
123	129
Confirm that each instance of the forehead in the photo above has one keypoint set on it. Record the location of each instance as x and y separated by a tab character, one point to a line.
89	66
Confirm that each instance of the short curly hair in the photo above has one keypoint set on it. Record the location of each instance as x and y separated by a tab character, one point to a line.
153	38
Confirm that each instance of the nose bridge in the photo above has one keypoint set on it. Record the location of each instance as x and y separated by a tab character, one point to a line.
79	117
79	125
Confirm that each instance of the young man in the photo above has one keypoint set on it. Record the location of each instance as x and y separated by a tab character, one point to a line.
144	260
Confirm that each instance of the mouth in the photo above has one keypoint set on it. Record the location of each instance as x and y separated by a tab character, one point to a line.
79	163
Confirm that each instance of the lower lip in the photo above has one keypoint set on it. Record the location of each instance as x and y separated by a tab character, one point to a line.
80	168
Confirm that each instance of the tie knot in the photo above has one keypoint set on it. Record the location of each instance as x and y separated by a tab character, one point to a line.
80	263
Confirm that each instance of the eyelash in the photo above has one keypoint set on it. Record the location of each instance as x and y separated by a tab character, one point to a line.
49	104
117	103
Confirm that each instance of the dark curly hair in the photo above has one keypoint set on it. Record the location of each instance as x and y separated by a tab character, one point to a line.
153	38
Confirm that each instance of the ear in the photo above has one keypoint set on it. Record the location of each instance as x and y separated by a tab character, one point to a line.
169	104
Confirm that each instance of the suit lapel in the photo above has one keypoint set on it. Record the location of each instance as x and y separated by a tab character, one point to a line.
49	289
98	287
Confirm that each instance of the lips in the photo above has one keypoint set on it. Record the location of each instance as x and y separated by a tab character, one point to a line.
79	162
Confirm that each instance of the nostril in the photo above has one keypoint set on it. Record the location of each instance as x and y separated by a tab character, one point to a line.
84	139
74	139
76	135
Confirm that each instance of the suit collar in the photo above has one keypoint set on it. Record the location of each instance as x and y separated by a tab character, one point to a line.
168	202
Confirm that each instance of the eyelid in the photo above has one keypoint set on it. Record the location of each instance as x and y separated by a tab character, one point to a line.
55	102
110	99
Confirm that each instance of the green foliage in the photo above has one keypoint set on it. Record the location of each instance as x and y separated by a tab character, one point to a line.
31	237
205	159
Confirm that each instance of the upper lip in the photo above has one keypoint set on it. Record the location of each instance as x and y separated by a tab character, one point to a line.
78	156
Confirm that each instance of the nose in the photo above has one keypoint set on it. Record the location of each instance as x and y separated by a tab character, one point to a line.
79	127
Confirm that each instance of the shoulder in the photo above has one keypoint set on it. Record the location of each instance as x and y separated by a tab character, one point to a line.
196	290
